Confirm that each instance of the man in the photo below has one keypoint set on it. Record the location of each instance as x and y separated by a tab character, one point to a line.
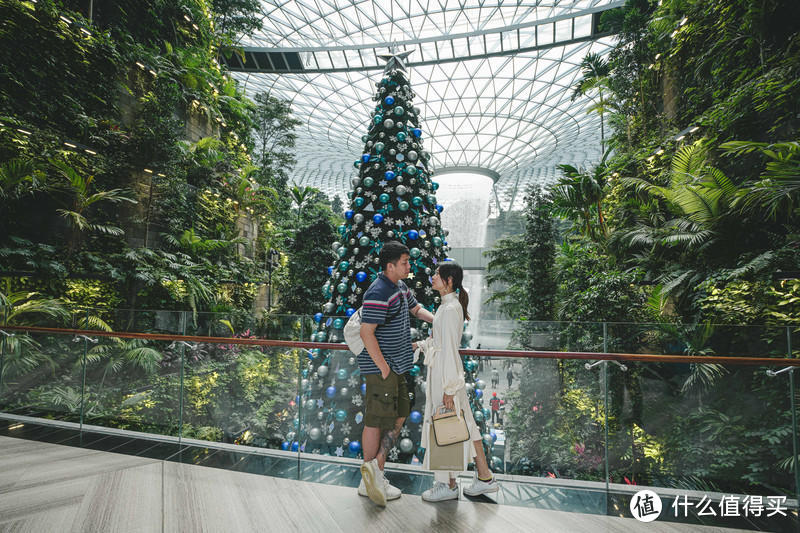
495	404
384	363
495	378
510	377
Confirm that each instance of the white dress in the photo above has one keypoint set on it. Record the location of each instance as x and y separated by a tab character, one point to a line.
446	375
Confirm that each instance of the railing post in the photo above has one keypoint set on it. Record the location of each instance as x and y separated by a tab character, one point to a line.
180	396
605	406
83	371
794	418
3	334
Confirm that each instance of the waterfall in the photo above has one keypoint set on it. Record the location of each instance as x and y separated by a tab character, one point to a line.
465	198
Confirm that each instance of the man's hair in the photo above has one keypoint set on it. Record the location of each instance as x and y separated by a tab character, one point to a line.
391	252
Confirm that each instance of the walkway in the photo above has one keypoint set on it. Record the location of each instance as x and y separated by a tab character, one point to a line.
48	487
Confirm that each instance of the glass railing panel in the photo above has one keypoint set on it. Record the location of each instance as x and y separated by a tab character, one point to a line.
331	418
241	394
700	427
42	375
133	384
555	410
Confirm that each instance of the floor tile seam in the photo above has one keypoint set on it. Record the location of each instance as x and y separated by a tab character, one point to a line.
119	468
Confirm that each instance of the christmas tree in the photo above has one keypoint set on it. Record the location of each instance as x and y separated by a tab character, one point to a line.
393	198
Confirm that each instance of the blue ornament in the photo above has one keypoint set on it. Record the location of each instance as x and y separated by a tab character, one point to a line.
377	218
389	175
417	132
342	373
341	415
317	317
285	445
363	388
389	100
439	207
338	323
330	392
295	446
413	235
478	393
349	214
493	433
361	276
415	417
349	311
355	446
365	158
330	270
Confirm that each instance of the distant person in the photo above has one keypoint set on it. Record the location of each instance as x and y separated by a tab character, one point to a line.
501	415
445	386
495	405
495	378
510	377
386	359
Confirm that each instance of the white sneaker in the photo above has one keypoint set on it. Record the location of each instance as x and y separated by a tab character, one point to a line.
440	492
372	478
392	492
479	487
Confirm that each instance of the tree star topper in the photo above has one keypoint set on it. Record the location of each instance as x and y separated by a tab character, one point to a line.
395	60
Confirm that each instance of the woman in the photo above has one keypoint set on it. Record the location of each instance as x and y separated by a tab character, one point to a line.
445	385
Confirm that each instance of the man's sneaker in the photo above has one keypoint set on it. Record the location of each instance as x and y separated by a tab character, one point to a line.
372	477
392	492
479	487
440	492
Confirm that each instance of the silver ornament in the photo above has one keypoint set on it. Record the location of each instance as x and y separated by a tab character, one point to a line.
437	299
328	308
329	439
351	361
369	144
388	123
355	252
315	433
392	151
322	371
400	190
346	441
304	384
336	245
310	404
406	445
358	290
412	155
344	392
376	166
381	135
350	272
352	242
320	415
355	181
358	218
433	221
390	234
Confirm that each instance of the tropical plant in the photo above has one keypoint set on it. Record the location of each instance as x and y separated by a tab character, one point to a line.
79	198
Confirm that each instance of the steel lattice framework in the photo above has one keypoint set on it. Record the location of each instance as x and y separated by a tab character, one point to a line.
493	81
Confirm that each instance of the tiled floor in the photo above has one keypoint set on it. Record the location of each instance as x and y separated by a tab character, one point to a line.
59	479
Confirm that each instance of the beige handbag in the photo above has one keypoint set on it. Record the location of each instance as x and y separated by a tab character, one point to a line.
448	427
449	458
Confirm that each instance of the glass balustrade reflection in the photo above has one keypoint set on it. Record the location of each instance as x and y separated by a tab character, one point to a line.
42	375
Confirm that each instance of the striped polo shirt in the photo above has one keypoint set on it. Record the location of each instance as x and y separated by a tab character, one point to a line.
388	305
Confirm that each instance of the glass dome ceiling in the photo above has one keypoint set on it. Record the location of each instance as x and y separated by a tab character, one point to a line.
493	81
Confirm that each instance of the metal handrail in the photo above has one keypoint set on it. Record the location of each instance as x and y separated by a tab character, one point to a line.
521	354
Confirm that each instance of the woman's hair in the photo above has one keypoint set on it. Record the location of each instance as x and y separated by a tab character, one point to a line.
450	270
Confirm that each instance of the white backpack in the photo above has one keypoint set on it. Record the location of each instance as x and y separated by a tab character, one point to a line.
352	333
